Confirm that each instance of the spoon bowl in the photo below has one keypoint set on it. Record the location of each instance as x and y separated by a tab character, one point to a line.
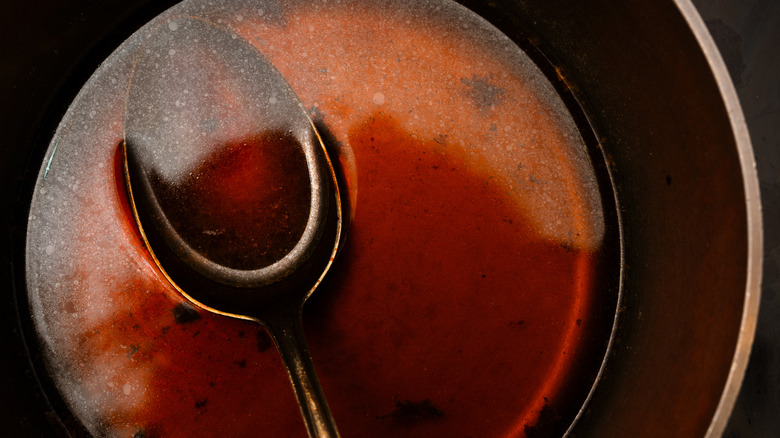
232	188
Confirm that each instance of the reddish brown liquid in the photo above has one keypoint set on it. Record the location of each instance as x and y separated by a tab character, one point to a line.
454	309
443	317
246	206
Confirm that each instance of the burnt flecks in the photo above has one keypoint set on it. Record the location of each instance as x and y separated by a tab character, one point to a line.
200	404
184	313
132	350
517	324
482	92
409	412
241	363
549	423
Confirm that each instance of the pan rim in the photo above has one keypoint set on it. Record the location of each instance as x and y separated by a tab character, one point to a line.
754	265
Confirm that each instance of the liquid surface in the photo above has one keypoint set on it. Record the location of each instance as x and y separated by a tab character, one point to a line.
463	301
244	207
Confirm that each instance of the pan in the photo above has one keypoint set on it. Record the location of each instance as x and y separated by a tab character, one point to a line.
665	120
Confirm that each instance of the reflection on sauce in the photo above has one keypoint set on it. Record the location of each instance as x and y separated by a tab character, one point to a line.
464	298
246	206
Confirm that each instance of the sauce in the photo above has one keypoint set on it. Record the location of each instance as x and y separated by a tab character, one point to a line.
467	293
244	207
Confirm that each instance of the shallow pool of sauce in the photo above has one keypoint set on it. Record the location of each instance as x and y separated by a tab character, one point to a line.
244	206
459	304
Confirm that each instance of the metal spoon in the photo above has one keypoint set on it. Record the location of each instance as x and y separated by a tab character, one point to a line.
232	188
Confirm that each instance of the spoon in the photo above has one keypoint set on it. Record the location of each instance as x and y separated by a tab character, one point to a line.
232	188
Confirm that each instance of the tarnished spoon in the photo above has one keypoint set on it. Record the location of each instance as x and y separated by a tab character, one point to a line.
232	188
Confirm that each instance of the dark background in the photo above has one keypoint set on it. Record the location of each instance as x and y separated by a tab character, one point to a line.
746	31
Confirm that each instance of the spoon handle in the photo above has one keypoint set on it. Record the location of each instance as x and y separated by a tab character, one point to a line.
287	333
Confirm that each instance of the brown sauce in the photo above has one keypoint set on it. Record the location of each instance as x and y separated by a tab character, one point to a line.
246	206
443	317
464	303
